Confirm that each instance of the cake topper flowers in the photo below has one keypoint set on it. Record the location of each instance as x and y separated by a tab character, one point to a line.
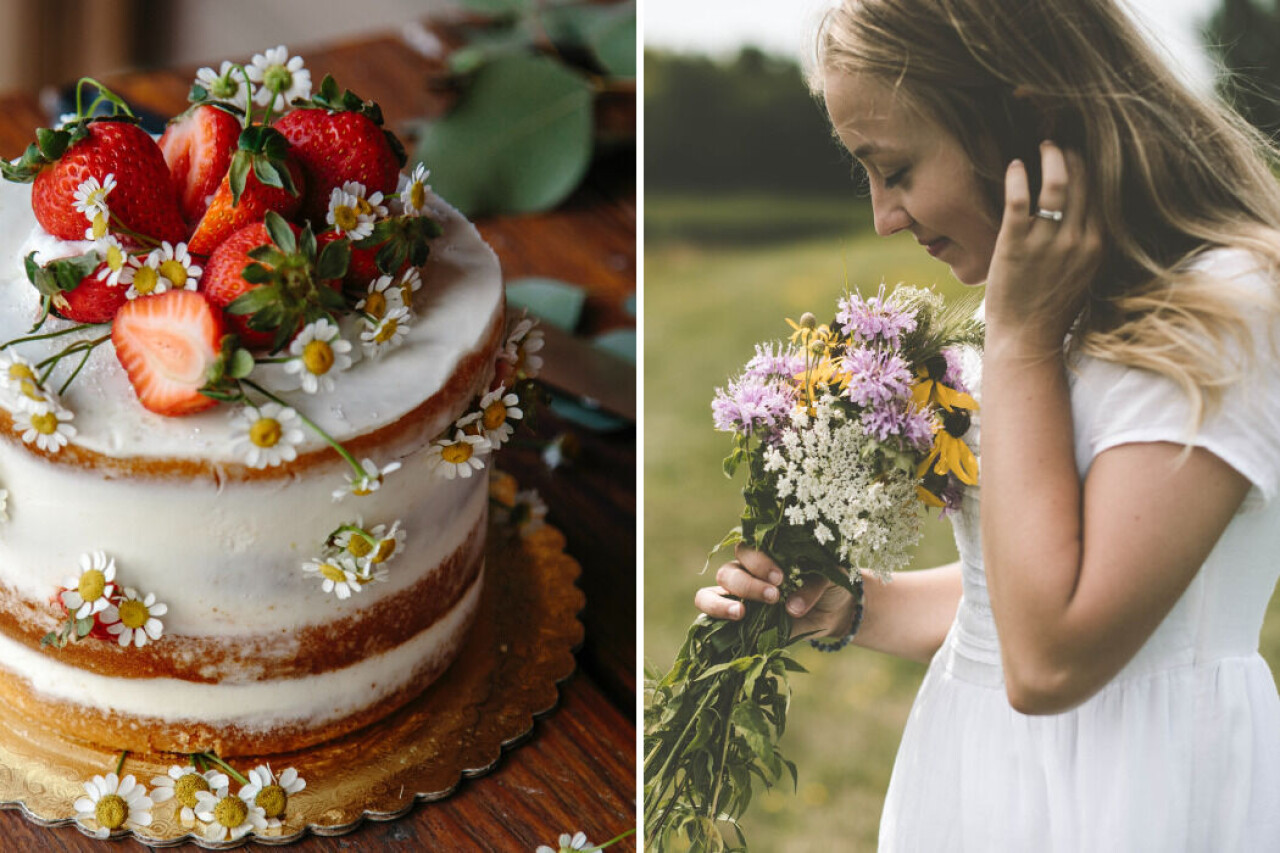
95	605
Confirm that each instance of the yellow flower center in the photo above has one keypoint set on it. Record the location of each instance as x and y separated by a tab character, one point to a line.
20	371
99	226
32	391
45	424
111	811
418	195
363	206
265	432
318	357
406	293
175	272
358	546
186	787
386	548
346	218
272	799
230	811
92	584
365	488
495	415
333	573
115	258
387	331
145	280
134	614
456	454
376	304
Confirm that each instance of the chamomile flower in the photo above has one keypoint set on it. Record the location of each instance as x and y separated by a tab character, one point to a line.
349	214
458	457
319	353
91	196
414	191
276	72
410	283
497	410
227	817
44	424
90	591
529	513
568	844
225	85
114	804
372	547
21	385
266	435
337	574
146	278
380	298
182	783
388	333
365	203
134	620
521	348
177	269
98	222
366	483
271	793
118	270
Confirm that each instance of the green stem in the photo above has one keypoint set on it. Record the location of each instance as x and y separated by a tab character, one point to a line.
48	335
613	840
120	226
88	351
103	94
342	451
120	764
209	756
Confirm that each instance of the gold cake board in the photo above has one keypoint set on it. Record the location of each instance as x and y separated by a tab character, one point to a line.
520	647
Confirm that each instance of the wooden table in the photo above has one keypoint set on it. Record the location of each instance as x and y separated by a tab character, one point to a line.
577	772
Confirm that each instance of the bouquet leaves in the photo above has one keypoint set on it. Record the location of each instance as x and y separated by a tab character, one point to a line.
846	431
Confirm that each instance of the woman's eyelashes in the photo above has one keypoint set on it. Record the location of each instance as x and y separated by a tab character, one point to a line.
895	178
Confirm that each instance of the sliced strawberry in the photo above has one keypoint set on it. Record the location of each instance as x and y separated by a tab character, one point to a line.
166	344
224	217
144	199
198	146
92	301
340	139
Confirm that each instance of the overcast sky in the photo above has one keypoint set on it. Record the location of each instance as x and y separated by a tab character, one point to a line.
788	27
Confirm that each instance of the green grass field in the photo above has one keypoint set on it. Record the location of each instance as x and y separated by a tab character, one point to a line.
705	306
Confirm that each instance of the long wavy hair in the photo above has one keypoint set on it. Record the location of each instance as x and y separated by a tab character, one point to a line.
1171	174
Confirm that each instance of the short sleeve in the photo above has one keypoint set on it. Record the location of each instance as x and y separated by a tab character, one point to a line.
1130	405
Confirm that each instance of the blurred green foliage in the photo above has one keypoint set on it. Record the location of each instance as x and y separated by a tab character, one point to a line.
1244	35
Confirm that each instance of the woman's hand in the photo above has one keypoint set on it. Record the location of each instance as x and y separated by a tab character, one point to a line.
819	606
1041	269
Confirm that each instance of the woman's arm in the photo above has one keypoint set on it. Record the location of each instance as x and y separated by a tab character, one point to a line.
908	617
1079	576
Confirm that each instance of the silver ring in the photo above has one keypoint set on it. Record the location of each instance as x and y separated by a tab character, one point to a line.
1051	215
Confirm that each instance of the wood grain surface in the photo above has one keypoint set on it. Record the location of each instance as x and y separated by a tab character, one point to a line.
577	771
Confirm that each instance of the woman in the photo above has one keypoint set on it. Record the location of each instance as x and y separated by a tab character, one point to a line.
1094	682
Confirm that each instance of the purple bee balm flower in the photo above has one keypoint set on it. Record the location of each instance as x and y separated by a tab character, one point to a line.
917	428
751	406
874	319
951	496
876	377
954	376
901	419
773	360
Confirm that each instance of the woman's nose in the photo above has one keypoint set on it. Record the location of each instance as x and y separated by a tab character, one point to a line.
888	214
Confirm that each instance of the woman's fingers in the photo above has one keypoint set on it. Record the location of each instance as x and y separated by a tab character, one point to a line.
734	578
758	564
711	601
803	599
1054	192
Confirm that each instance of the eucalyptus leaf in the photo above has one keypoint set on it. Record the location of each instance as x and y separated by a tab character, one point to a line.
608	32
518	141
496	7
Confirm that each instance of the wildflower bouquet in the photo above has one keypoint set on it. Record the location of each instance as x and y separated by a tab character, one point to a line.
847	431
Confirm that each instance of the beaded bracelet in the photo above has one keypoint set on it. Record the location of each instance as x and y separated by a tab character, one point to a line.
827	644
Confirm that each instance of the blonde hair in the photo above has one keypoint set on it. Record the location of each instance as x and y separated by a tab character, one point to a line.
1170	174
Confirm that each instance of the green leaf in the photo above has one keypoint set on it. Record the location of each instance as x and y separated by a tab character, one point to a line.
253	301
608	32
268	254
496	8
281	233
84	626
266	173
519	139
334	259
554	302
241	364
255	274
238	174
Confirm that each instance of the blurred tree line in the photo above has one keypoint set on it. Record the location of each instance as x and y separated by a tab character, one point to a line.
1244	35
747	122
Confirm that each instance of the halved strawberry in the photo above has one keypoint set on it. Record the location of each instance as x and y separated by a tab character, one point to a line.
339	139
198	146
167	343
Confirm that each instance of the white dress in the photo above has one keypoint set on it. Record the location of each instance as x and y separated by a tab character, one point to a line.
1181	750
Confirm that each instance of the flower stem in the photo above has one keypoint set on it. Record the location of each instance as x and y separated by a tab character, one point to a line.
342	451
120	764
48	335
613	840
209	756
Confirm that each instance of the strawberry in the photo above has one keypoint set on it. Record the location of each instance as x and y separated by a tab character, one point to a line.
340	139
225	217
396	243
167	343
198	146
71	287
270	279
144	199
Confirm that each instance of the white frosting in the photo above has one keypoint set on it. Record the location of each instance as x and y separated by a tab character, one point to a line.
312	700
225	553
